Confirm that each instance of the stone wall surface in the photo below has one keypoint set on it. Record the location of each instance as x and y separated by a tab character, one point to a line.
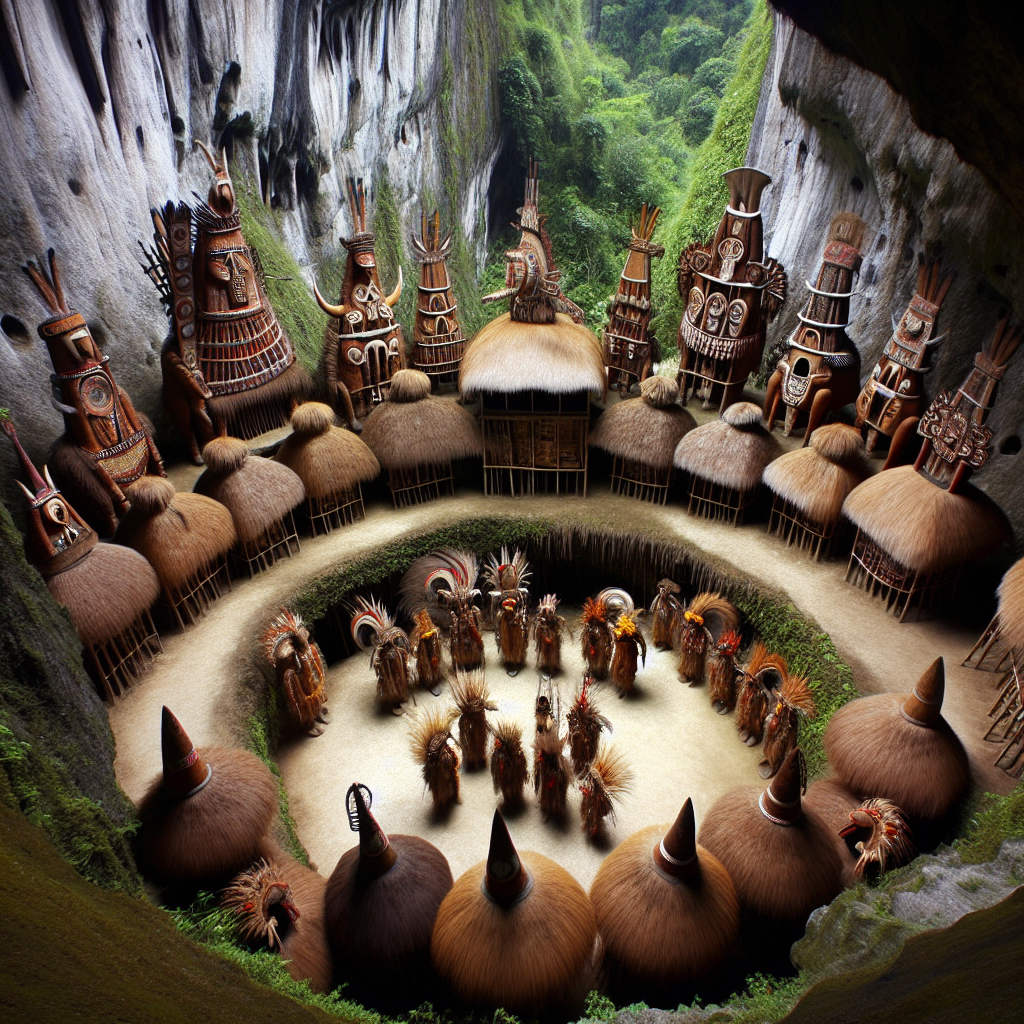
102	103
834	136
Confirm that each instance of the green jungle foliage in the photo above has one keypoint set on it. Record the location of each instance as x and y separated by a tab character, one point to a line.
615	121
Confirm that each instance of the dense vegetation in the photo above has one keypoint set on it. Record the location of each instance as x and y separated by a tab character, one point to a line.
614	112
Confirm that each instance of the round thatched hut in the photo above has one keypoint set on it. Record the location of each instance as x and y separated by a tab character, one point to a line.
725	461
778	852
534	370
331	463
206	816
901	748
810	485
260	494
417	437
642	435
666	909
185	537
382	899
516	931
107	589
1003	638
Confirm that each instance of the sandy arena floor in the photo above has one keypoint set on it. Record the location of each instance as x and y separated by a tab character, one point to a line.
676	744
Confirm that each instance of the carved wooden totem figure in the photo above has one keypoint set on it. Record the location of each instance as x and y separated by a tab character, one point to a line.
299	668
106	445
227	364
628	340
437	341
731	293
893	393
363	343
821	371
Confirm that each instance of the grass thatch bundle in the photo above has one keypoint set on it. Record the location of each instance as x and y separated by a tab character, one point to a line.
585	723
469	691
178	533
327	459
435	751
509	770
506	356
602	782
258	492
732	451
923	526
516	931
901	748
381	904
106	591
280	903
780	856
412	428
204	817
832	802
645	429
816	479
597	636
1011	607
661	926
551	771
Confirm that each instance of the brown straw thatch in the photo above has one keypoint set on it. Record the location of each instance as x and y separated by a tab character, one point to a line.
832	801
381	902
217	831
1011	606
923	526
256	491
645	429
179	533
327	459
898	747
413	428
525	951
106	591
732	451
506	356
817	479
661	928
780	870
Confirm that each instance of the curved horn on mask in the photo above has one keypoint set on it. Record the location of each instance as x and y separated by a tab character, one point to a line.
336	311
28	493
46	476
210	158
392	299
67	410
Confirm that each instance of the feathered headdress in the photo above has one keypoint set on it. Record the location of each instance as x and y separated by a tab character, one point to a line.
253	896
507	573
441	576
287	626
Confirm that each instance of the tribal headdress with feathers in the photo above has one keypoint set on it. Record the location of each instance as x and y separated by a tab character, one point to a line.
437	580
375	632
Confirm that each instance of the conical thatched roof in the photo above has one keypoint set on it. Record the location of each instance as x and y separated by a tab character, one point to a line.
413	428
506	356
817	479
106	591
646	429
327	459
256	491
177	532
732	451
1011	606
923	526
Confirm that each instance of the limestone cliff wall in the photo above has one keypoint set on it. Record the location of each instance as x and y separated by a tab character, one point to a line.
834	136
103	100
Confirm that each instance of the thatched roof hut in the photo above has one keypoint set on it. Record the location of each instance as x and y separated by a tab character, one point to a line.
811	483
206	815
899	747
642	435
778	852
726	460
416	437
666	909
331	463
1004	635
259	493
516	931
185	537
508	356
382	899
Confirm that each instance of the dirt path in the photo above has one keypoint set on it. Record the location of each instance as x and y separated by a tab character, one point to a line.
676	744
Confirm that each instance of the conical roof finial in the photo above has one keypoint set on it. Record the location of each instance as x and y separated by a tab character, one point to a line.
780	802
185	771
924	705
506	880
376	854
676	854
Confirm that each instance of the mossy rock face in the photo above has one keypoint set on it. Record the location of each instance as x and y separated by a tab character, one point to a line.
56	748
